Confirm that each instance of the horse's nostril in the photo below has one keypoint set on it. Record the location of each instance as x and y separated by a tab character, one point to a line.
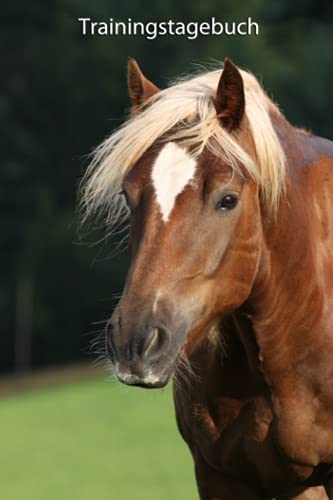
151	342
155	341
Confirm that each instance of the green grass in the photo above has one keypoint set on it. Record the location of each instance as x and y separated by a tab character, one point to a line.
92	441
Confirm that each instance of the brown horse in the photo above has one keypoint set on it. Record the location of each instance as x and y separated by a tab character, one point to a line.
231	276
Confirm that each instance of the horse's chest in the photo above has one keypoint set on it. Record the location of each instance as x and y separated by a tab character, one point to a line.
238	437
226	431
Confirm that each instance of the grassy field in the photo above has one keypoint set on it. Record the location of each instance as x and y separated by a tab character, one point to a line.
92	440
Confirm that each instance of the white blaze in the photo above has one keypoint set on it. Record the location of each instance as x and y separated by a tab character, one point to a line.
173	169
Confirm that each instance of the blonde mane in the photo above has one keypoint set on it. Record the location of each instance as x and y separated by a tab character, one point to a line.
170	110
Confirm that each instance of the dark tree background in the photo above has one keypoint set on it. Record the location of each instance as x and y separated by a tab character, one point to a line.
62	93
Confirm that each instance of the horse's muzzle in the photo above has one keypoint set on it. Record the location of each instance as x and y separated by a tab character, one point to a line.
140	357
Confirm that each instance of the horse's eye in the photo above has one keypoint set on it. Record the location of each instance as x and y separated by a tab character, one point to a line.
228	202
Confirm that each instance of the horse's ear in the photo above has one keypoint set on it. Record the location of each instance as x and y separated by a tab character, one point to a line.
139	87
230	98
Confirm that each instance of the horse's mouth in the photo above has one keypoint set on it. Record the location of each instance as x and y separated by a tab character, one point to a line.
151	385
149	381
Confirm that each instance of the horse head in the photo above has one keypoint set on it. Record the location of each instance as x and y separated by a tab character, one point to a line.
194	200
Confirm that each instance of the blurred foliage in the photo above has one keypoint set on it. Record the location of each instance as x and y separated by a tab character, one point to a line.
62	92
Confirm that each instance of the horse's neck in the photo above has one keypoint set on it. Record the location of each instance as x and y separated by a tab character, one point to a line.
291	295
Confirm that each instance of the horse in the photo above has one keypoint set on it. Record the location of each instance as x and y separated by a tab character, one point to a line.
230	284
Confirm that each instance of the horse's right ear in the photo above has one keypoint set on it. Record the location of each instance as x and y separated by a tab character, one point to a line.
139	87
230	97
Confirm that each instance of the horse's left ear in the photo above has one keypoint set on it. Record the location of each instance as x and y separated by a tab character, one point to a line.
230	98
139	87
